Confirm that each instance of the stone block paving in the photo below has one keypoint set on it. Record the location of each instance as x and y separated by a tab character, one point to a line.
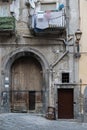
19	121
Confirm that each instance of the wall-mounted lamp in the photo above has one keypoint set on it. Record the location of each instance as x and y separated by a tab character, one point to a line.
78	34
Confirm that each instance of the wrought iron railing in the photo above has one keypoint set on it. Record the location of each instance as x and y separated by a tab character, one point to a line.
41	21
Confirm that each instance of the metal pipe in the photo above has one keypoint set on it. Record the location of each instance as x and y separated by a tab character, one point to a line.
58	60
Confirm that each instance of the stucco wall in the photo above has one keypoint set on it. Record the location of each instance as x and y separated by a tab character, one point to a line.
83	44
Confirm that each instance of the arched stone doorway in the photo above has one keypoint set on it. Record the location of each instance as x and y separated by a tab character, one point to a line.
23	85
26	85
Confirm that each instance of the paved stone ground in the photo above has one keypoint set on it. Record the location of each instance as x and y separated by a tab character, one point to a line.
18	121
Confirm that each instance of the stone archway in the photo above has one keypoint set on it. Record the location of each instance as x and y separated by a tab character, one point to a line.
26	85
27	52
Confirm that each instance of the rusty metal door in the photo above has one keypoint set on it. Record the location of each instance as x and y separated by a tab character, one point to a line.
26	76
65	103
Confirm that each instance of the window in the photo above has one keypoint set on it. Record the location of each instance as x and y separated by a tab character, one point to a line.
65	77
5	0
48	6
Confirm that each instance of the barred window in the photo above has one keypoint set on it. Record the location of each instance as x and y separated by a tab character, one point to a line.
65	77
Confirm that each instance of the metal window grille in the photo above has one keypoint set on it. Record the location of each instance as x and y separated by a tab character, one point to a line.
65	77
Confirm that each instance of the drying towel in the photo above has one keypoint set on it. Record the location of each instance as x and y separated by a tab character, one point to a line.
40	16
56	19
41	23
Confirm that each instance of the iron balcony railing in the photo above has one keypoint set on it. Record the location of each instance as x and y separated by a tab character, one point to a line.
48	20
7	24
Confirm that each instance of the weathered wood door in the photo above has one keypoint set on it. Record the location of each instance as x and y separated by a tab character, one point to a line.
26	76
65	103
32	100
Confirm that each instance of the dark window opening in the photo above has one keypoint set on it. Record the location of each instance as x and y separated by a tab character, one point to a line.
5	0
48	6
65	77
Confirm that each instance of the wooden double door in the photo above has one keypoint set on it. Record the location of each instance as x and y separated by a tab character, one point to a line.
26	81
65	103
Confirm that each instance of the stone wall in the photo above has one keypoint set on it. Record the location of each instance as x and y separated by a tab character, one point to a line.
51	49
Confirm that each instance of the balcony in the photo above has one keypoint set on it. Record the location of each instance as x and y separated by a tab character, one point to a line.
48	23
7	25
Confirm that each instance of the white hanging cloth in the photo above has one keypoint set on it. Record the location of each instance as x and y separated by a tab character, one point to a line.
14	8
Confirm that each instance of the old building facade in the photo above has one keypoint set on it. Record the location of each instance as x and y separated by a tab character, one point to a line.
38	57
83	58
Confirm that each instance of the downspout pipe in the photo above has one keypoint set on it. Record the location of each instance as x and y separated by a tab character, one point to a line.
52	96
58	60
65	53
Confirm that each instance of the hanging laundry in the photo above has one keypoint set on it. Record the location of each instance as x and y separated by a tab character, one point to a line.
48	14
34	25
32	3
57	5
56	19
14	8
61	6
4	10
41	23
40	15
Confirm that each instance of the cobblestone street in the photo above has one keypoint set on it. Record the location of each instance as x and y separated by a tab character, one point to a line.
17	121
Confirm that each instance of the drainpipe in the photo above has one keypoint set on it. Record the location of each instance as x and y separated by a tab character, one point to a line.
51	85
51	102
58	60
81	103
